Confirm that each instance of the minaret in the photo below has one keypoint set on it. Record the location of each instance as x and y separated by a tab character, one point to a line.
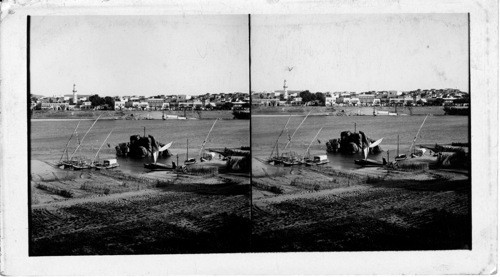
75	98
285	89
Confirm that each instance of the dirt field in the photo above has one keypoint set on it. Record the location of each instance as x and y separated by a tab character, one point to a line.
311	209
108	212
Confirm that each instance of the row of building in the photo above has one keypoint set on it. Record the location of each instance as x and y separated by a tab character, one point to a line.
160	102
287	97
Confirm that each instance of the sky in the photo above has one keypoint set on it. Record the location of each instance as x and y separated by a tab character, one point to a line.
139	55
360	52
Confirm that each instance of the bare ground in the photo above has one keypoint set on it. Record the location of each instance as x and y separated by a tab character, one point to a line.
369	209
136	215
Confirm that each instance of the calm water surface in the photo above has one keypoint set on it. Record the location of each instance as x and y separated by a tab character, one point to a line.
48	138
437	129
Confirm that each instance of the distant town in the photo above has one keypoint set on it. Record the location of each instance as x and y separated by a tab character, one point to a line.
239	100
419	97
75	101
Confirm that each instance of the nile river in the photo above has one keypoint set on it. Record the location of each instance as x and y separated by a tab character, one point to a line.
49	137
437	129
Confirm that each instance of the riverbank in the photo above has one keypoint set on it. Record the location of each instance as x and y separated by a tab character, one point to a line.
110	212
130	115
345	111
370	209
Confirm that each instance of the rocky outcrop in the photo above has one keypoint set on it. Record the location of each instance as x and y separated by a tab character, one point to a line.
349	143
140	147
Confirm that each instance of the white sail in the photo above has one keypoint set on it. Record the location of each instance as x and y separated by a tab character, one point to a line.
165	147
375	143
155	156
365	152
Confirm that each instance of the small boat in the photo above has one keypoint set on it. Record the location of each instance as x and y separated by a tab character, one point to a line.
320	159
370	162
107	164
291	162
188	160
242	114
400	157
73	164
206	156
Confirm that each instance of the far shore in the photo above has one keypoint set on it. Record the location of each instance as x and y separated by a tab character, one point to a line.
128	115
343	111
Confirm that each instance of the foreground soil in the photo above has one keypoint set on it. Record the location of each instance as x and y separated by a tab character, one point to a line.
373	209
111	213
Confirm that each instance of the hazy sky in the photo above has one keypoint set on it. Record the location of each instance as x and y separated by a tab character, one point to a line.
142	55
360	52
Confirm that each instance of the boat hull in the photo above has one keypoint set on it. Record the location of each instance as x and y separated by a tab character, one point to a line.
368	162
158	166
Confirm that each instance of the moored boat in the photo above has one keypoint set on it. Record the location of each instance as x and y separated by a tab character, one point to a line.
107	164
370	162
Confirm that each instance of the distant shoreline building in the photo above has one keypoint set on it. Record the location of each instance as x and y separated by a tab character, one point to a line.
75	97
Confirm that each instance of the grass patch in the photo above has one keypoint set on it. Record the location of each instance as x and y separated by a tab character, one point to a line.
95	188
306	184
412	166
203	170
55	190
374	179
266	187
161	184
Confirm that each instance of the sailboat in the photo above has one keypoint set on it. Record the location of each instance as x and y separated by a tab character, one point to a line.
206	157
316	160
156	165
277	159
188	161
70	163
399	157
107	163
366	145
290	158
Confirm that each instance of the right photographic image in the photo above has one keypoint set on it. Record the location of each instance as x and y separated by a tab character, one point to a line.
360	132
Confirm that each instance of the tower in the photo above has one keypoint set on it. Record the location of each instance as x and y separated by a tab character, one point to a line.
285	90
75	98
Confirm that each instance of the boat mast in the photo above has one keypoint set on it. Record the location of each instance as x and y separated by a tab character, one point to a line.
187	149
67	144
81	141
397	153
102	146
277	140
205	141
415	138
313	141
290	140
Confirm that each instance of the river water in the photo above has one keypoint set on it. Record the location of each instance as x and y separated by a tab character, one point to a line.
49	137
437	129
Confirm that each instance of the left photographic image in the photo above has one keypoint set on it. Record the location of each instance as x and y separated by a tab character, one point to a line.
139	135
